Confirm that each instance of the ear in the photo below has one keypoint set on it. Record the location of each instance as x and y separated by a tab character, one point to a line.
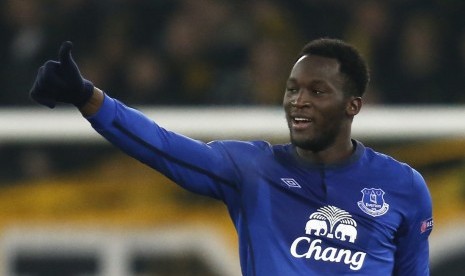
354	105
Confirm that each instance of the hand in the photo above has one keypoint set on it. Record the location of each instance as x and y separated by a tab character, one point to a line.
61	81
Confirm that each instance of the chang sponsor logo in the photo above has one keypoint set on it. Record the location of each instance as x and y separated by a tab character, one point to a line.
333	223
313	249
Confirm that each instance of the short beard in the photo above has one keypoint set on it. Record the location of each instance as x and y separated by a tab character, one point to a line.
315	145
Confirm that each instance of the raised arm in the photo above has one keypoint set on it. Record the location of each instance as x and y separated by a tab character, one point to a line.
186	161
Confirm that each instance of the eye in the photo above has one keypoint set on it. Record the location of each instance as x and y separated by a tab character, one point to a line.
292	90
318	92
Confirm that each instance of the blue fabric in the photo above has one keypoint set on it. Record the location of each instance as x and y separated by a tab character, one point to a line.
370	215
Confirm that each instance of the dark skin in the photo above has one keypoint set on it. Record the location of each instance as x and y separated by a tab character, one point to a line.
318	111
93	104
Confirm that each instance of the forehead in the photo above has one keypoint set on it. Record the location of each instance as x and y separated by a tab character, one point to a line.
311	67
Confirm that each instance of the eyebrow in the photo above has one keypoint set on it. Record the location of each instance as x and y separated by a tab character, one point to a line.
317	81
291	80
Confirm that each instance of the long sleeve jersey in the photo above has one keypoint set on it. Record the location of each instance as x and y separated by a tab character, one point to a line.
368	215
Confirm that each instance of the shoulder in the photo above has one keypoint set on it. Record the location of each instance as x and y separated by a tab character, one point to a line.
235	147
387	163
404	175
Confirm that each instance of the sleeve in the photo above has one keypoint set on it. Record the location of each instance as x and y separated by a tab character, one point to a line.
197	166
412	254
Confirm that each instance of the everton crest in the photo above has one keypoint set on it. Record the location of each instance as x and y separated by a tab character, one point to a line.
373	202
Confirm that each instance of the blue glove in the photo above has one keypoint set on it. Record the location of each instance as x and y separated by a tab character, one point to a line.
61	81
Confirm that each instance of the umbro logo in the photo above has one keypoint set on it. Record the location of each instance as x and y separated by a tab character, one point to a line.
291	182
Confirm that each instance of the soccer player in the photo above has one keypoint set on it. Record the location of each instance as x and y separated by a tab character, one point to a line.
323	204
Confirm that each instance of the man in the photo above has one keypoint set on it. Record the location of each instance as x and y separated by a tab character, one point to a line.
323	204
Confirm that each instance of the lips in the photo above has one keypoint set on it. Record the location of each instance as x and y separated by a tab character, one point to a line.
300	122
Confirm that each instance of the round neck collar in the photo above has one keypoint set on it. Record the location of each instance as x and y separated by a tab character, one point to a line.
356	154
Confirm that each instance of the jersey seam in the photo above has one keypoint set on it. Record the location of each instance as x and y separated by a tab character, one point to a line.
171	158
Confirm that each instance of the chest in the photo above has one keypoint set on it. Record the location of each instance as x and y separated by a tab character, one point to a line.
339	208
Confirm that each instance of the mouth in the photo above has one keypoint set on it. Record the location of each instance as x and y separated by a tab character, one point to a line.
300	123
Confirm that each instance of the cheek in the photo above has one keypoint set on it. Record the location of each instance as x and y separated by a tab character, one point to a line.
334	115
286	99
286	102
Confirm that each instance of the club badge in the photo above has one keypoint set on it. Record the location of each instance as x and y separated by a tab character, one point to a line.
372	202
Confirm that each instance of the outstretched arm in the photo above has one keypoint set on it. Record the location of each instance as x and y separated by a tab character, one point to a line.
199	167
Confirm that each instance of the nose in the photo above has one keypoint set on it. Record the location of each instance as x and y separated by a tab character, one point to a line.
300	100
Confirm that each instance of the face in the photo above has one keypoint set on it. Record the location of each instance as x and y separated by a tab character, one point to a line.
315	105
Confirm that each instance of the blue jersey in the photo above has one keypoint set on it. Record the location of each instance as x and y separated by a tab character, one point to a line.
370	215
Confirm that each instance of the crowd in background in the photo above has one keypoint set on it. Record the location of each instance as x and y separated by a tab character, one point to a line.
232	52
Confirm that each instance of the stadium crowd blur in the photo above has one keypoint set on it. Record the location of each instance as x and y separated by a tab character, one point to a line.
214	52
232	52
220	52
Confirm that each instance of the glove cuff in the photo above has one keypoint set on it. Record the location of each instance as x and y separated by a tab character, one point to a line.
87	91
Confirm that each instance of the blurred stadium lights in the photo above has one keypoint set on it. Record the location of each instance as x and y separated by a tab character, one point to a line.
95	251
447	250
65	125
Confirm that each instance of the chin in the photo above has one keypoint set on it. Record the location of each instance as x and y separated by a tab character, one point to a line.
310	145
314	144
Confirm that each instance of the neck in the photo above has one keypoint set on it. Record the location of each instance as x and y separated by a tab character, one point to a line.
336	153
